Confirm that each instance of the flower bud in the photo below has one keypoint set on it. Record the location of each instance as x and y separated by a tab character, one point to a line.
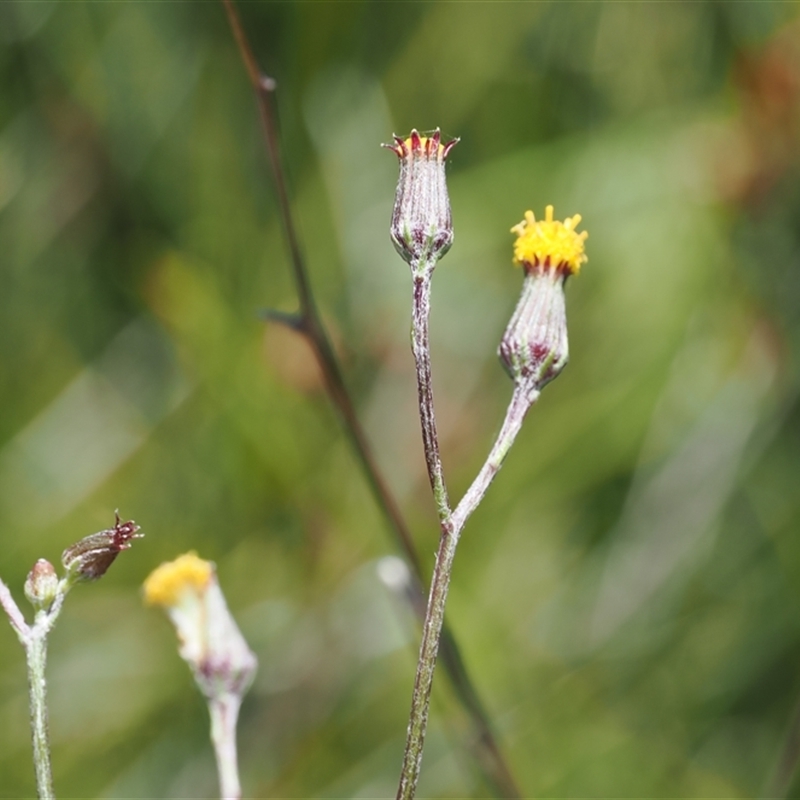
89	558
209	639
41	585
422	226
534	347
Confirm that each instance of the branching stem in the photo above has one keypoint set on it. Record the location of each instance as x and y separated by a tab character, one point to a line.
34	639
451	522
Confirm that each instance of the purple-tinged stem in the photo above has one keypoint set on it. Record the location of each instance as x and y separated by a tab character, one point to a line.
420	347
452	522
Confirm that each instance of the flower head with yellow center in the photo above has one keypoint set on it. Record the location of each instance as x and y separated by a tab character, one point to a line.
209	639
549	243
534	348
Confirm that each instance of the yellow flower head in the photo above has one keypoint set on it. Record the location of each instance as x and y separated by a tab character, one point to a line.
166	584
549	243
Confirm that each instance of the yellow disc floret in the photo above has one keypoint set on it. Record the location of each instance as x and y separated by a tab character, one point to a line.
427	144
165	584
550	243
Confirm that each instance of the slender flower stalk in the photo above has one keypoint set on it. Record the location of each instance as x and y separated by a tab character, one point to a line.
422	233
212	645
86	560
534	350
420	346
224	713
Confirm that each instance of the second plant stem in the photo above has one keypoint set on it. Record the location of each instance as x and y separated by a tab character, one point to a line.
451	521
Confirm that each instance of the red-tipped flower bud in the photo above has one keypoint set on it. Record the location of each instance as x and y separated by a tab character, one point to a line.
41	585
534	347
89	558
422	226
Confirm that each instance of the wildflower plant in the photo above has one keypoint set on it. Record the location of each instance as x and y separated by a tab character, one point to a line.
533	349
86	560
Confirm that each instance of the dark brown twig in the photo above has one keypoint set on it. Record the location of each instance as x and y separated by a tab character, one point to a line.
309	324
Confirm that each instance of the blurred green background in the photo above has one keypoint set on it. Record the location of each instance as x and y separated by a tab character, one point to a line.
627	596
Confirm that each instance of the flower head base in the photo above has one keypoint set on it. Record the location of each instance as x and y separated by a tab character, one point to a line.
210	641
549	244
422	226
534	348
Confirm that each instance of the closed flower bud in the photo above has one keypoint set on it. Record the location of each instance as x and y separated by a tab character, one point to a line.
209	639
534	348
91	557
422	226
41	585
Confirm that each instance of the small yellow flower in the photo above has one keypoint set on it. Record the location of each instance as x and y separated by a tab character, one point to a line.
208	638
549	243
165	584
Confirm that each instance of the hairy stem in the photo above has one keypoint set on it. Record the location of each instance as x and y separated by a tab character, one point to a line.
452	523
524	396
423	681
422	359
224	712
14	614
36	653
309	324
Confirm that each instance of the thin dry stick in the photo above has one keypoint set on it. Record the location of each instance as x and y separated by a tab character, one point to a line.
308	323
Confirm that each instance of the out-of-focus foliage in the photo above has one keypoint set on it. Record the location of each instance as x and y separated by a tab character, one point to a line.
627	596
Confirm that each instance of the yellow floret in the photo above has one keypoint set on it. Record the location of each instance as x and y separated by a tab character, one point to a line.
549	242
165	584
423	141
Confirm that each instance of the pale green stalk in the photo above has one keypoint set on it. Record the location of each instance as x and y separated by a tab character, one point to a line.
34	639
224	711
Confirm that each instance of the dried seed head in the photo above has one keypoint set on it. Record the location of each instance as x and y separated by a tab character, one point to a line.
422	226
534	347
90	558
41	585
